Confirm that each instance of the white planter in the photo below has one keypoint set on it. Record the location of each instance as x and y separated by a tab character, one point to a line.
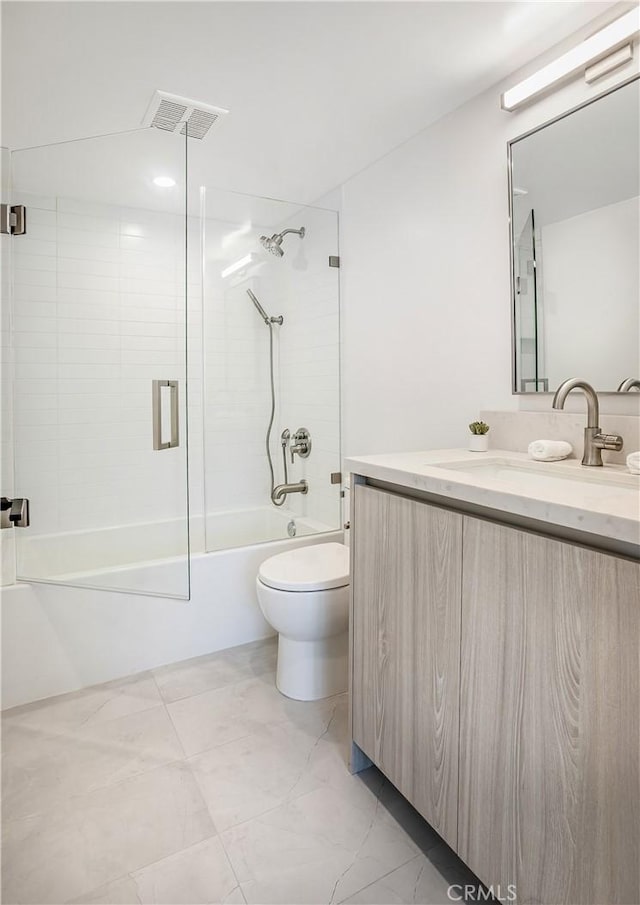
479	443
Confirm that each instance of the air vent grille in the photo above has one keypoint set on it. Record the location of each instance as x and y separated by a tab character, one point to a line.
198	123
172	113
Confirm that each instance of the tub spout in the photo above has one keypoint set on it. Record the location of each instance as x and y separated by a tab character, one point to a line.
280	492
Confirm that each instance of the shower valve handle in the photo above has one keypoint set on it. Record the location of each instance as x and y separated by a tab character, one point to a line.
301	444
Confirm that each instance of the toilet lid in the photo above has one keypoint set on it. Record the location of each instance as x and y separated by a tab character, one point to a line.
315	568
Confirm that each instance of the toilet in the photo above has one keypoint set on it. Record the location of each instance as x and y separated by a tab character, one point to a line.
304	595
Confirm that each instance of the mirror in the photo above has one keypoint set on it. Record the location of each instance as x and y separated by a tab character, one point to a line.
575	213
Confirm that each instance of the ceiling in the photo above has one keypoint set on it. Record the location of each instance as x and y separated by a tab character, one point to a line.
316	90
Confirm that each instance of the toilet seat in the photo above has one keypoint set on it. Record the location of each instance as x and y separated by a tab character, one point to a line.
314	568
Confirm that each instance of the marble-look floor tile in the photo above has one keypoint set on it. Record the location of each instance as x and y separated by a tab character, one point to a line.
226	714
97	704
257	658
191	677
258	772
103	835
41	770
422	834
418	882
198	875
119	892
319	848
227	667
101	806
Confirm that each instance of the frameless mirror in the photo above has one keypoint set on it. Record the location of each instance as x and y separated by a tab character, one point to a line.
575	211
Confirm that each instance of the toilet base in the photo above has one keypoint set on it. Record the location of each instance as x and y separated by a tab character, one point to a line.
310	670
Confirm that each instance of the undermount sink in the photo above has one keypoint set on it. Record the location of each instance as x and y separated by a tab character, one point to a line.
547	475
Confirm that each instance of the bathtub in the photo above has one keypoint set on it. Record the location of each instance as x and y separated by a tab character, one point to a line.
151	557
58	638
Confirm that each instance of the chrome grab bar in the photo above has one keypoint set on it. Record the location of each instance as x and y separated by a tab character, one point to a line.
156	405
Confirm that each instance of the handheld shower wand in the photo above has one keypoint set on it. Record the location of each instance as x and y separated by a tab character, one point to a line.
263	314
270	321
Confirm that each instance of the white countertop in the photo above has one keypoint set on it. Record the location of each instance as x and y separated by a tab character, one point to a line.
563	494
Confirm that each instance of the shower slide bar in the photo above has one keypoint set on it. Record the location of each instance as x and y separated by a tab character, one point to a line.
156	405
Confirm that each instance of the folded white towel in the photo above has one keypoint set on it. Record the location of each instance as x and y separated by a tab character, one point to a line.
633	462
550	450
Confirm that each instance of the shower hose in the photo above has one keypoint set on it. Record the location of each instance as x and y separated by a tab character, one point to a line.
273	414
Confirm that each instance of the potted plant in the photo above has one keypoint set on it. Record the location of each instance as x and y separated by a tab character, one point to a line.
479	441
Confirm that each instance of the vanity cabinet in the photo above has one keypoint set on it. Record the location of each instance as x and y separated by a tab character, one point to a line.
528	764
406	648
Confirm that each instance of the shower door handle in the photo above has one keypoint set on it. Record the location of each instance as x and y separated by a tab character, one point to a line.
156	404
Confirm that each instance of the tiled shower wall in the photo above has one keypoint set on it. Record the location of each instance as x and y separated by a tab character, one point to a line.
309	343
99	312
303	289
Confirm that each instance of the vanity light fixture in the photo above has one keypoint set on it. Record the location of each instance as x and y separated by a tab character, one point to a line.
591	50
238	265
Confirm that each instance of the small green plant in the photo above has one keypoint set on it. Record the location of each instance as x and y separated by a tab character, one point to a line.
479	427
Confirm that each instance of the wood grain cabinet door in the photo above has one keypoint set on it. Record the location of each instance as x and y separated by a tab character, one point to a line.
549	718
406	647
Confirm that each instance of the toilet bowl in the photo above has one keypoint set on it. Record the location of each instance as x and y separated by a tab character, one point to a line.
304	596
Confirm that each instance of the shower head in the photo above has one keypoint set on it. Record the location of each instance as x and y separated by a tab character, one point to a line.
273	243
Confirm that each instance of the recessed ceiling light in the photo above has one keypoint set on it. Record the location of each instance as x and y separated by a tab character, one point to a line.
164	182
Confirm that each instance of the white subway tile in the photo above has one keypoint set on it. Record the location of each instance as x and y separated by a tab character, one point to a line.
88	326
104	312
29	246
40	217
26	262
35	277
33	200
88	341
36	370
34	294
70	251
35	309
97	225
79	237
89	357
35	340
88	208
34	324
88	266
24	355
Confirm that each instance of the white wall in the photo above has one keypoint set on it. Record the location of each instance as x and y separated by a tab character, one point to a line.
425	252
591	314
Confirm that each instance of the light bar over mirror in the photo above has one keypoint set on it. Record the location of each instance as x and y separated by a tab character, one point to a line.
594	48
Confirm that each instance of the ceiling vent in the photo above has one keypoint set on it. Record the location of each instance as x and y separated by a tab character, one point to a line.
172	113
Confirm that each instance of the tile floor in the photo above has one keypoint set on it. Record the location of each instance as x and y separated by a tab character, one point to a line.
200	783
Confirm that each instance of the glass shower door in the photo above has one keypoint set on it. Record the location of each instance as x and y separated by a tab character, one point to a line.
271	353
99	333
